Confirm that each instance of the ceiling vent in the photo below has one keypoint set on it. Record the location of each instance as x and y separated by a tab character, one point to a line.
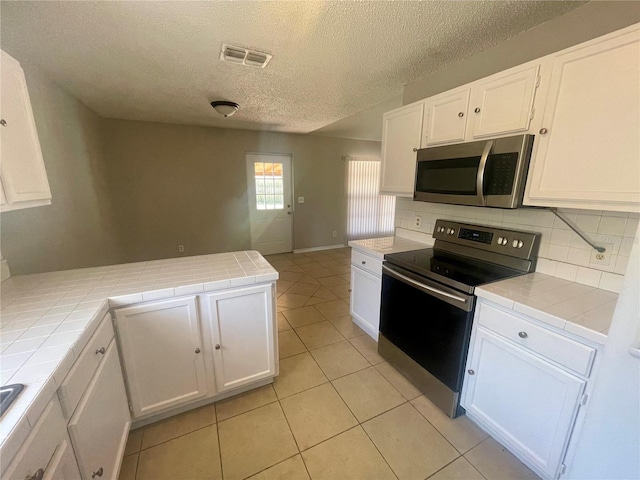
243	56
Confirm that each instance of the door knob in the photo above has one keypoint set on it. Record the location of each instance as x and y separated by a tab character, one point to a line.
217	347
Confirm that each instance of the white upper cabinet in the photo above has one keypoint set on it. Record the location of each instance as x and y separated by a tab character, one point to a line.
446	117
401	132
503	103
587	153
24	177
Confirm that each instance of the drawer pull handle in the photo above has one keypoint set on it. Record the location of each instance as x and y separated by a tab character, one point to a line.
522	334
217	347
101	351
471	372
36	476
364	262
97	473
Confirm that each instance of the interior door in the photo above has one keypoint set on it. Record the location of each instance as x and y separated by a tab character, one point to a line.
270	203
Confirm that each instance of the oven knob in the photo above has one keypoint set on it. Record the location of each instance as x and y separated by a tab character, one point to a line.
520	243
499	240
505	240
514	244
451	231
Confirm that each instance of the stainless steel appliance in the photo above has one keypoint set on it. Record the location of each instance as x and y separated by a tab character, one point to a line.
428	302
489	173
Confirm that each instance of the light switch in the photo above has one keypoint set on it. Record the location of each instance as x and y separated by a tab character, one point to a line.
300	199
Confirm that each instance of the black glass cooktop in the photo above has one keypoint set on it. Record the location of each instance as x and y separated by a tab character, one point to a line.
460	272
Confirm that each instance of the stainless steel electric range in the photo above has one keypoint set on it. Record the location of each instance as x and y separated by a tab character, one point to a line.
428	302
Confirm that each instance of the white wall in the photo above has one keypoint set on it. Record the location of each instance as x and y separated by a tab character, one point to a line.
609	444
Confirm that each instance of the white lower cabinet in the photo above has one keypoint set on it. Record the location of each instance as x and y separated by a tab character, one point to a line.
100	425
521	394
162	350
366	288
242	332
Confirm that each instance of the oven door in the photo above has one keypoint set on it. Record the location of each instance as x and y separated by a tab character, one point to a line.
431	324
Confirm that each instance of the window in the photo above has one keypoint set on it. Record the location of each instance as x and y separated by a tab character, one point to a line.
369	214
269	186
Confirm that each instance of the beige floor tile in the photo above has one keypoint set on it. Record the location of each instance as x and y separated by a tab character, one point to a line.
290	276
460	469
319	334
292	300
282	323
339	359
303	288
315	301
461	432
347	277
309	279
255	440
494	462
333	309
341	270
289	344
341	291
291	469
311	265
193	456
178	425
129	467
298	373
368	347
316	415
298	317
404	386
320	272
325	293
301	260
346	326
291	268
284	285
410	444
367	393
133	442
332	281
232	406
349	456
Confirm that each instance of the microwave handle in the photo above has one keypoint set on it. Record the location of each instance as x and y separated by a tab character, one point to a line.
481	168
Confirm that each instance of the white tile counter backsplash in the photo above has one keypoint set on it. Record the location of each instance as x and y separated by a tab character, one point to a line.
563	253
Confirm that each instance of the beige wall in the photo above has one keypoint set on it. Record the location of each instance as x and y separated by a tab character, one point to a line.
579	25
176	184
76	230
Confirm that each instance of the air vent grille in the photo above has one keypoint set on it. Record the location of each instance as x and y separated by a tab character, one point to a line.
243	56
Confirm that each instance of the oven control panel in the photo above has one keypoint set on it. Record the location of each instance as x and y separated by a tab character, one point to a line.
494	239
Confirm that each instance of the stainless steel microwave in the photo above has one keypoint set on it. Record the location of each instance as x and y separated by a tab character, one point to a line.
488	173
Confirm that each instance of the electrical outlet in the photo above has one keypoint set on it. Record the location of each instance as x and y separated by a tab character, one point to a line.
418	221
335	234
181	248
602	258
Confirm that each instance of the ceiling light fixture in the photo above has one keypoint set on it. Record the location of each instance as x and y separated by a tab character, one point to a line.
224	108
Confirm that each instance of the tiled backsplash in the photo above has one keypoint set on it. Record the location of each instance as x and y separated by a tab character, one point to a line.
562	254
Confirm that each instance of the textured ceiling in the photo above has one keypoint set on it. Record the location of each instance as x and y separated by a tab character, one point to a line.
158	61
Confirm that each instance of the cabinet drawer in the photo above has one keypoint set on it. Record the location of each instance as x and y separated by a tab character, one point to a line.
75	383
566	352
367	262
49	433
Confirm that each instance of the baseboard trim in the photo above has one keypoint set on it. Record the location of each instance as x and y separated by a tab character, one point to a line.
315	249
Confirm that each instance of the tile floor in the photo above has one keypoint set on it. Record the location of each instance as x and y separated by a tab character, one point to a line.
336	411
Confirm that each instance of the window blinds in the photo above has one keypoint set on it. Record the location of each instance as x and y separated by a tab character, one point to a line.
369	214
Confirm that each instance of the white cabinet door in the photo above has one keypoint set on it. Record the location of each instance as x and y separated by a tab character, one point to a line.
63	465
242	329
446	117
23	174
530	404
365	300
589	156
161	346
401	132
503	103
100	425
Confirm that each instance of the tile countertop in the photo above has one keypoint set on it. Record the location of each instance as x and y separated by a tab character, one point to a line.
579	309
47	319
378	247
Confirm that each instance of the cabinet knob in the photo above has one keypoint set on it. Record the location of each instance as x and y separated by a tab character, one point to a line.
197	350
477	110
471	372
415	149
364	262
101	351
543	131
3	122
217	347
97	473
40	472
522	334
461	114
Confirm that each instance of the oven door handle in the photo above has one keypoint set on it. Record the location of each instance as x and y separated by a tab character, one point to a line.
422	286
481	168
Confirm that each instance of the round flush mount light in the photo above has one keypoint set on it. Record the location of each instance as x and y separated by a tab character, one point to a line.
224	108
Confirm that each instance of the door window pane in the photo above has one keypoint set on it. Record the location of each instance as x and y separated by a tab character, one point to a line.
269	186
